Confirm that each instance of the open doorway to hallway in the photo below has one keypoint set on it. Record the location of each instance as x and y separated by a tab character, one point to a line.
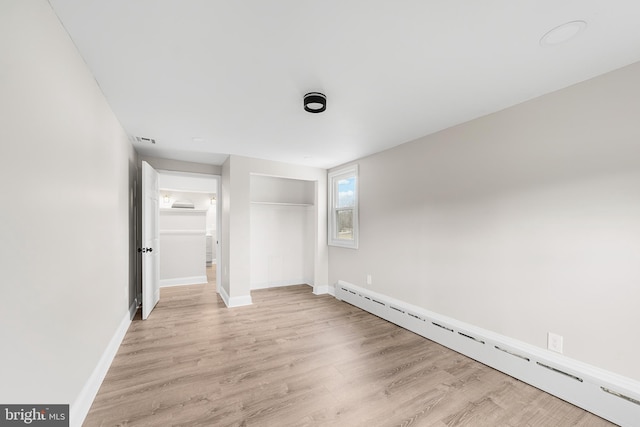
189	228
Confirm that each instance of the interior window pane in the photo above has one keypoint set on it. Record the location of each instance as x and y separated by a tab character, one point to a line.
346	192
344	224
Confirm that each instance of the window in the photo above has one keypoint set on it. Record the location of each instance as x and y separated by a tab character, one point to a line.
343	207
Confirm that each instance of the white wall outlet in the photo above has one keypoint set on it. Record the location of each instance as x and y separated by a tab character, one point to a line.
554	342
369	281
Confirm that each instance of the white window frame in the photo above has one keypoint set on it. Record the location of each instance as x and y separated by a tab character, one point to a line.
333	178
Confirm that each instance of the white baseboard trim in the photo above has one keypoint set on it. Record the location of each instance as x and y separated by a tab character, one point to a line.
181	281
231	302
80	407
224	295
609	395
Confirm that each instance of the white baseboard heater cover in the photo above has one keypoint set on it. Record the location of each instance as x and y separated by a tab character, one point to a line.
608	395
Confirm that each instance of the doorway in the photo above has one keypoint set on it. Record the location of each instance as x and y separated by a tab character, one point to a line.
189	227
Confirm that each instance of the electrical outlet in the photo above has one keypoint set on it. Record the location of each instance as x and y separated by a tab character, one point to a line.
369	279
554	342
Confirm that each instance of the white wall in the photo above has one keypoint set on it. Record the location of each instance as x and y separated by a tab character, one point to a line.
66	236
225	224
185	181
281	190
182	247
159	163
521	222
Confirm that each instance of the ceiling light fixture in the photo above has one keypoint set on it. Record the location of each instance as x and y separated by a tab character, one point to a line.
315	102
563	33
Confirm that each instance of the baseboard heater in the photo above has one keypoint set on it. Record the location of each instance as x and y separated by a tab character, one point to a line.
608	395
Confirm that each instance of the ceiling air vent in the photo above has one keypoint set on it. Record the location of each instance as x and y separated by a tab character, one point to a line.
143	140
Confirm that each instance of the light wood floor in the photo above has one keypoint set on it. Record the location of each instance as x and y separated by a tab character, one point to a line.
296	359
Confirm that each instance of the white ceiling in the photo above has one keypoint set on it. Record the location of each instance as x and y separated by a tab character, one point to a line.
234	72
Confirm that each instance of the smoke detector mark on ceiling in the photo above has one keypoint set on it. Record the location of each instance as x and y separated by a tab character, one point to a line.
563	33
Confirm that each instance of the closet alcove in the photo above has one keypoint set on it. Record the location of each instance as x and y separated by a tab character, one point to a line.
282	231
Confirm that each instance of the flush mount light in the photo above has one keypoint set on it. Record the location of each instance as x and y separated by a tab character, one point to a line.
315	102
562	33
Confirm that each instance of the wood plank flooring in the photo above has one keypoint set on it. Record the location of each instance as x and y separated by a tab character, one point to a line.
297	359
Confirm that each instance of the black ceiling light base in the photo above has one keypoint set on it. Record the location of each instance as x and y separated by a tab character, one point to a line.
315	102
